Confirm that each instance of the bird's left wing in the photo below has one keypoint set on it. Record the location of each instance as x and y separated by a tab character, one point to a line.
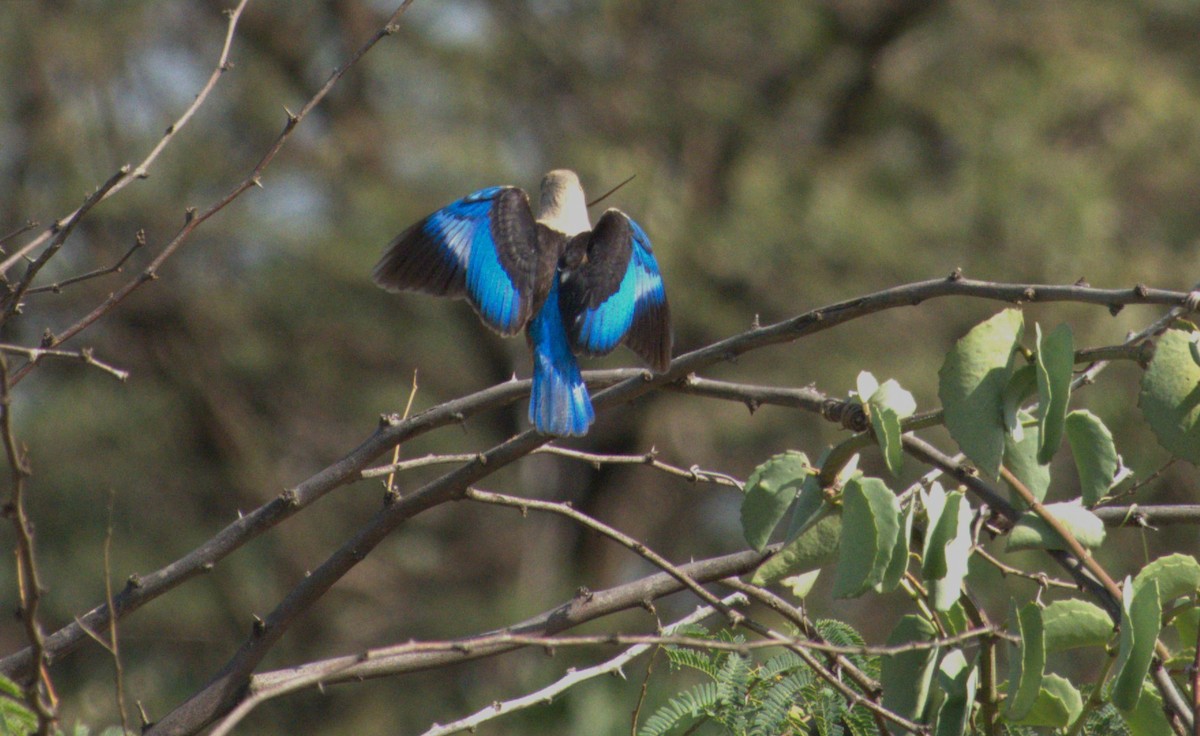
482	247
612	292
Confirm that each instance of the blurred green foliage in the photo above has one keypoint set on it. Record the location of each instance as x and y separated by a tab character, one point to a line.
788	155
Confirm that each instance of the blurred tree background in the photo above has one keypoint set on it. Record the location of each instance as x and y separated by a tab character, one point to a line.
788	155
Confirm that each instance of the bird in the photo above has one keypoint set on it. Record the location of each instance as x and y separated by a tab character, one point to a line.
576	290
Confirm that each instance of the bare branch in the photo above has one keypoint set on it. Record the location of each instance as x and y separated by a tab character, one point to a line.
543	695
127	174
565	509
139	241
38	690
83	355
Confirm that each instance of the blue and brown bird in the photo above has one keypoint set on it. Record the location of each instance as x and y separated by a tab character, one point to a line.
576	289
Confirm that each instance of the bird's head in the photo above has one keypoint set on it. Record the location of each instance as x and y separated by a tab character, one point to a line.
563	206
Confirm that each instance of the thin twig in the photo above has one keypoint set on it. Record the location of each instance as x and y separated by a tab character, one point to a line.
194	219
389	486
114	640
83	355
547	694
38	689
637	547
139	241
129	174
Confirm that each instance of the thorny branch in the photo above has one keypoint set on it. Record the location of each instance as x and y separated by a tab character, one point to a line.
127	174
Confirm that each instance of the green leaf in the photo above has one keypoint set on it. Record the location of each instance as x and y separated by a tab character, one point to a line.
1147	718
947	547
1020	457
1177	575
886	425
1021	385
816	546
871	523
957	680
1055	361
1187	625
1140	619
1072	623
802	584
1031	532
898	564
1058	704
770	490
971	386
1095	455
810	505
1027	661
1170	398
906	677
937	535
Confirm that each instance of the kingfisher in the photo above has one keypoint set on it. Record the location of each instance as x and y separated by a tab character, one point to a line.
575	289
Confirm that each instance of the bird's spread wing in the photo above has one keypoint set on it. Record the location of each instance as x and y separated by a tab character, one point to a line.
482	247
613	292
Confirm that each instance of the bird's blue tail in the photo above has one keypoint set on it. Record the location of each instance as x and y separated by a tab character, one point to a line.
559	403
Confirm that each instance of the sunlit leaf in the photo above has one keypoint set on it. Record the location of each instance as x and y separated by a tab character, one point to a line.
1095	454
947	551
1020	457
1176	574
971	386
1140	619
1055	362
899	560
1170	398
1071	623
1032	532
816	546
801	585
871	521
1057	705
770	490
886	425
1026	661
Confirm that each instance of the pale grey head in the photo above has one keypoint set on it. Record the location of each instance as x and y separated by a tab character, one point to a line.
563	205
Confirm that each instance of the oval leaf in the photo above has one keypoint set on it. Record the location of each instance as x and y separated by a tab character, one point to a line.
1020	457
885	424
1027	661
816	546
898	564
1058	704
1072	623
1140	620
770	490
1170	398
1055	361
971	386
906	677
1096	457
957	680
944	590
1031	532
870	525
1177	575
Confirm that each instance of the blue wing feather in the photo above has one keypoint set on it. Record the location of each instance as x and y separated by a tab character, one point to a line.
456	251
616	295
559	403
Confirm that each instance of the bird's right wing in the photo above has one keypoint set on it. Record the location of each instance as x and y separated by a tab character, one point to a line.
615	294
482	247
